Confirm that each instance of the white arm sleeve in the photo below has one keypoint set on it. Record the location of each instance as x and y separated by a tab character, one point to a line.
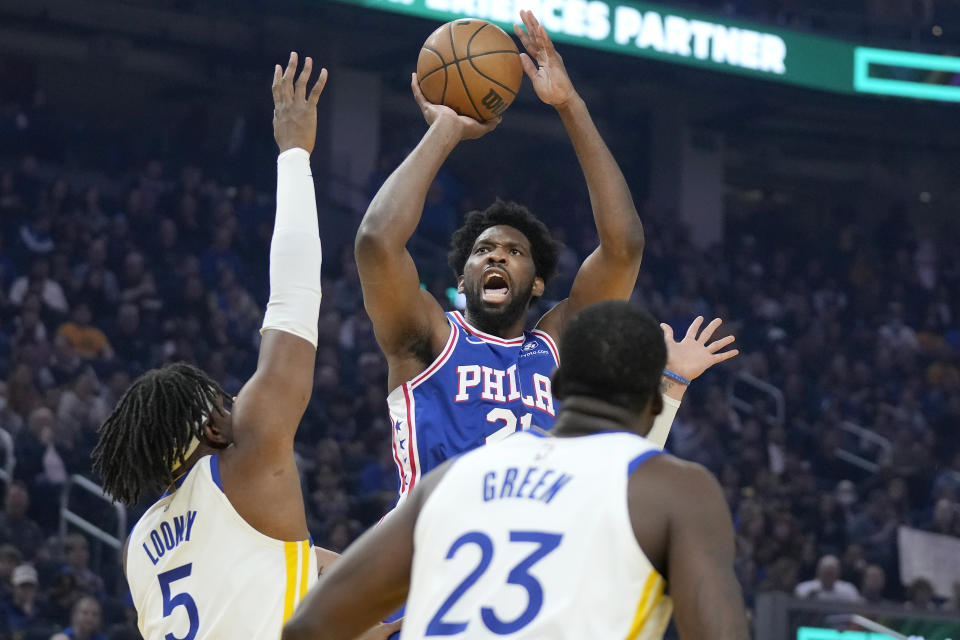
295	253
662	423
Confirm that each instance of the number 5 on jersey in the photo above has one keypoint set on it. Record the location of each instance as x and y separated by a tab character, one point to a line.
184	600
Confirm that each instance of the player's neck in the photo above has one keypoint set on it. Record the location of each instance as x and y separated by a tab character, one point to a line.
583	415
505	331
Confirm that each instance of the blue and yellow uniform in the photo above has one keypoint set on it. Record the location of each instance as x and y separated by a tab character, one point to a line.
196	569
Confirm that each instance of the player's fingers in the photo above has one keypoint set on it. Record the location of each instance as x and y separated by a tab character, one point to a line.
667	331
726	355
533	19
417	92
525	16
709	330
529	66
713	347
318	87
277	78
545	41
522	35
490	125
694	328
300	86
289	72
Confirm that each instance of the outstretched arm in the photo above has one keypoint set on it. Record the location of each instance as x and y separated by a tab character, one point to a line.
610	272
687	359
404	315
258	473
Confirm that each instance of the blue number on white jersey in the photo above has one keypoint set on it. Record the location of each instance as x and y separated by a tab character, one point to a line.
519	575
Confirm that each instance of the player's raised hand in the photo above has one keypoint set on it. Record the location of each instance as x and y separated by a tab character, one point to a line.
694	354
469	128
294	109
548	75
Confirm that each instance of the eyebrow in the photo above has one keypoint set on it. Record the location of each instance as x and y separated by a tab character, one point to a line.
510	244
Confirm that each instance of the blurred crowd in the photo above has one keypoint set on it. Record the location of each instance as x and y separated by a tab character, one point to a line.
103	277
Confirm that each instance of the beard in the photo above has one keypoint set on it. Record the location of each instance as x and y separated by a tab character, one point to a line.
493	319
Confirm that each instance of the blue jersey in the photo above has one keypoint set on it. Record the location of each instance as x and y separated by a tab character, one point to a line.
479	390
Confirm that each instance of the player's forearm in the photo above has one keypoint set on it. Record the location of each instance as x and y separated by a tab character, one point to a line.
615	215
395	211
295	251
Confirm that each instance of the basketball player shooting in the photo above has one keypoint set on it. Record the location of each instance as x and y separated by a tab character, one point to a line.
225	552
592	532
457	382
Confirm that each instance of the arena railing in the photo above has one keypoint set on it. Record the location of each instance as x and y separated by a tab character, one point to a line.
867	443
758	390
69	517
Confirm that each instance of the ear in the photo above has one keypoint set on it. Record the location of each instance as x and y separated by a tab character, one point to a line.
656	403
214	434
538	287
460	284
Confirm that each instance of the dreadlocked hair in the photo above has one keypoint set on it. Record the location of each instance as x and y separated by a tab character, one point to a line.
151	428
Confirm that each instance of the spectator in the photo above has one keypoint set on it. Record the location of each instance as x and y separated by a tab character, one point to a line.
945	518
76	551
827	585
85	621
132	346
10	559
16	527
948	479
86	340
783	576
876	529
40	283
42	451
874	582
82	407
920	596
139	286
22	612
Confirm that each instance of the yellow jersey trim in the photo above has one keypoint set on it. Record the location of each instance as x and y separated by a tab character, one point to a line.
646	605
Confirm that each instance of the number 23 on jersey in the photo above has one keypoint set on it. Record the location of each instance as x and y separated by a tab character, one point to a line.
520	576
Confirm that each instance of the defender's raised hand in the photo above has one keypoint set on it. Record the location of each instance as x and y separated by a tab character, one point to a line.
693	355
294	110
548	75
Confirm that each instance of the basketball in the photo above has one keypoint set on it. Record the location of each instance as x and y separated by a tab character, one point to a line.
471	66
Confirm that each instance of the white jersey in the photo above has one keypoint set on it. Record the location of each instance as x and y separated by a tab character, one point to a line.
198	571
531	537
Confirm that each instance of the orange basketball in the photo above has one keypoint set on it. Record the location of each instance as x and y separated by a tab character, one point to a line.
471	66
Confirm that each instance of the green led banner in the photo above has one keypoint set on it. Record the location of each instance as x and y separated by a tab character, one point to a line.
701	40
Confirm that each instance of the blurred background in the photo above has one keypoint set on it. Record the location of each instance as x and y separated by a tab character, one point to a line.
813	205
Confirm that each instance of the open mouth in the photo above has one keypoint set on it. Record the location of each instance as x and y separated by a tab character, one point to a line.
496	289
